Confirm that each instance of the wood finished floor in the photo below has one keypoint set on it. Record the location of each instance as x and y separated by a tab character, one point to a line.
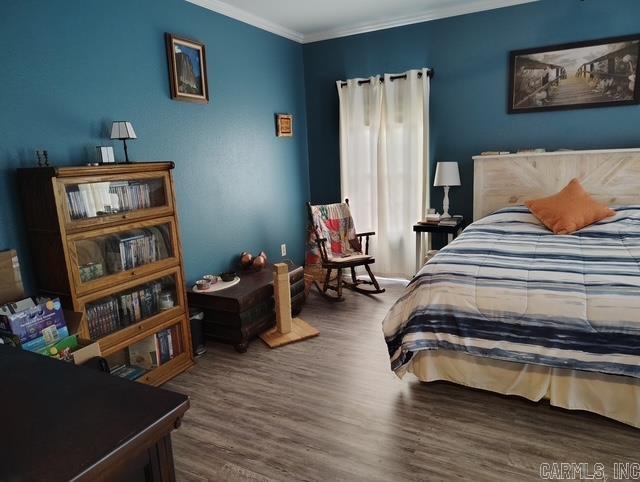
330	409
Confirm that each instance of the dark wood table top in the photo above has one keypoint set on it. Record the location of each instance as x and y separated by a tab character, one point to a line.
437	227
61	421
253	286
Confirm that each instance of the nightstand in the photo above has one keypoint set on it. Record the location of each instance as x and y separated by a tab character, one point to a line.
451	230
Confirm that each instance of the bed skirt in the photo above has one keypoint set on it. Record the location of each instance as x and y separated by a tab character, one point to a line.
612	396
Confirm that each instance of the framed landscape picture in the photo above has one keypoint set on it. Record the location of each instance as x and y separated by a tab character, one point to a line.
187	69
596	73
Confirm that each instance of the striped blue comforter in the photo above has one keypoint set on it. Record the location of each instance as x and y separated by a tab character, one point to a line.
509	289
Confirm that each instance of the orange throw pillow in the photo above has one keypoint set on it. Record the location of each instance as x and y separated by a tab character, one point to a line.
569	210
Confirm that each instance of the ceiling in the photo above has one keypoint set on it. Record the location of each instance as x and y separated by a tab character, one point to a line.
312	20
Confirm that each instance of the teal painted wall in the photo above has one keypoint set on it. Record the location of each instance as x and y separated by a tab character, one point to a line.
469	92
71	67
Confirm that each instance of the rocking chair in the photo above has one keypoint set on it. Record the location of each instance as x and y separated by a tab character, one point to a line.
340	248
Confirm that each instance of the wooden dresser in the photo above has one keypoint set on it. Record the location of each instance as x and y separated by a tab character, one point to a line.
237	314
106	241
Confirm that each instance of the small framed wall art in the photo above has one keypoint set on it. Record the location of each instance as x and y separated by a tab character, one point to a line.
284	125
187	69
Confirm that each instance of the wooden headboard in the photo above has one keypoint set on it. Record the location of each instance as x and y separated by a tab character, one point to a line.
611	176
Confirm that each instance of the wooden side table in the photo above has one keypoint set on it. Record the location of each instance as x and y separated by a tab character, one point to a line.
420	228
239	313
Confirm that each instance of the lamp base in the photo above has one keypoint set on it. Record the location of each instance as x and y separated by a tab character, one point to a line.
445	204
126	153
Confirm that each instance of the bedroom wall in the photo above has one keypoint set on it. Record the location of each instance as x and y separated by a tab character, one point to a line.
469	92
69	70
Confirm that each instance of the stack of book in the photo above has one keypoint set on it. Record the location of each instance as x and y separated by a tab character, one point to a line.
130	372
140	304
100	198
452	221
137	251
128	250
114	313
168	344
89	200
103	318
131	195
150	353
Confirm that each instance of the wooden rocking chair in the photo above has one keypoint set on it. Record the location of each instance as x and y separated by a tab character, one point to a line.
340	261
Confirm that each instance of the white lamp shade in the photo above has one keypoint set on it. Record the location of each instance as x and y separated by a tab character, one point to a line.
447	174
122	130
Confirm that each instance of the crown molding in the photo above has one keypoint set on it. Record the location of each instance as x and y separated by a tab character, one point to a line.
249	18
424	16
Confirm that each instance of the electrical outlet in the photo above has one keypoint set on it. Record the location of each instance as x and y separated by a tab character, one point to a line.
283	249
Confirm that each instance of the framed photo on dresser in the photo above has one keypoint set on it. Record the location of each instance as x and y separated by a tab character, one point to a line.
595	73
187	69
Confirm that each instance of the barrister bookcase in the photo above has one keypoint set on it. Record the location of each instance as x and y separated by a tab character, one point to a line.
106	241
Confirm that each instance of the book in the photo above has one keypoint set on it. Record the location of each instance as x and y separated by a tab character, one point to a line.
176	340
103	198
130	372
164	352
449	222
144	354
109	315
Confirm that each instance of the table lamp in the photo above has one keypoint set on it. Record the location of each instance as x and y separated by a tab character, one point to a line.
446	175
123	130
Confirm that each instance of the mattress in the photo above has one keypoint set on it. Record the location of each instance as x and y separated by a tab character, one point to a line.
508	289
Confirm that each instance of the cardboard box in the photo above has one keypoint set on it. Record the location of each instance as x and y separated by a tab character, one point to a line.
72	349
86	351
11	288
61	350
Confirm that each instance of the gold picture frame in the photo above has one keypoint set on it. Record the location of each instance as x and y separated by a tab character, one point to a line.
284	125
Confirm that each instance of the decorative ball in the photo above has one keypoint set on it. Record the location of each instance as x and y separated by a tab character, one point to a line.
259	262
246	259
264	255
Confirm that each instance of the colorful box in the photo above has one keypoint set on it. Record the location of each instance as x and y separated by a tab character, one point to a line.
62	350
37	327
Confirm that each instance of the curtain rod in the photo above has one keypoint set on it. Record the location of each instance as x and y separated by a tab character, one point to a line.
430	74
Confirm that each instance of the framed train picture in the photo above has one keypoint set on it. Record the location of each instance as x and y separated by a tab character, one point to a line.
187	69
596	73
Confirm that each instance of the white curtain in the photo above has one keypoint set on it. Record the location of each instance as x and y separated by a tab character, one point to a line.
384	163
360	115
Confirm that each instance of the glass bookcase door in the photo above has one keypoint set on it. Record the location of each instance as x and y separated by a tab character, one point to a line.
127	309
112	199
141	360
109	255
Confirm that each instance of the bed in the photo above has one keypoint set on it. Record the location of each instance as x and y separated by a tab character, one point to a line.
510	307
